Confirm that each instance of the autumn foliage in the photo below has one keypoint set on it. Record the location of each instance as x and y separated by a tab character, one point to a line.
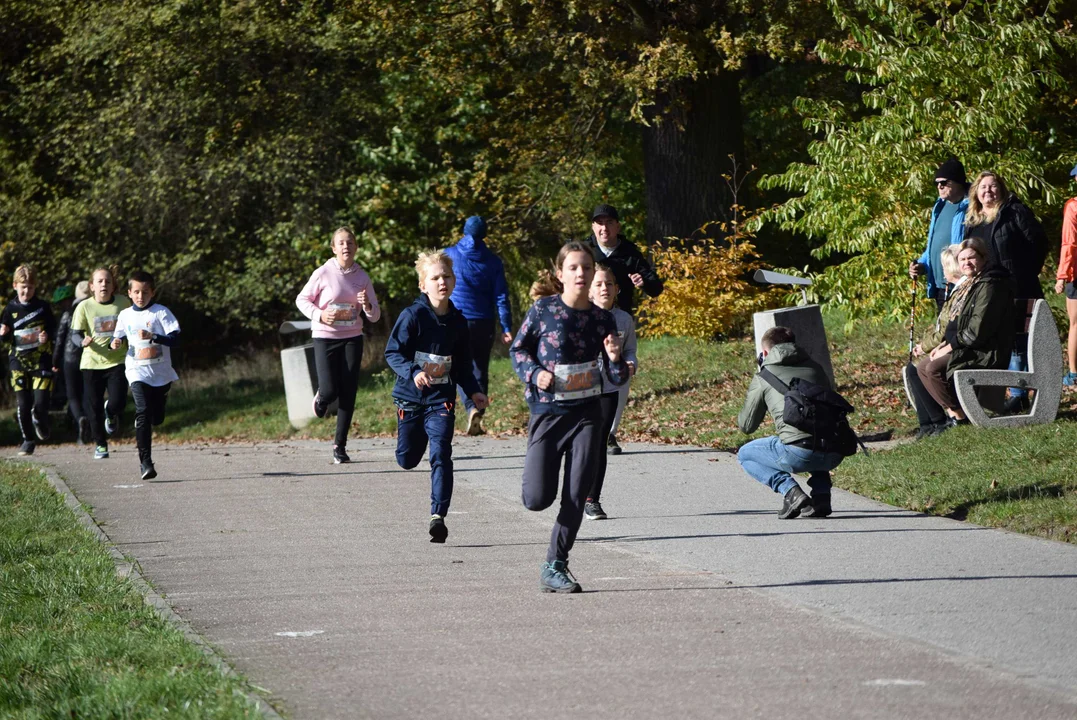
708	293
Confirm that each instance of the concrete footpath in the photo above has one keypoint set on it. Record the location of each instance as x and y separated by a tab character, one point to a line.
319	584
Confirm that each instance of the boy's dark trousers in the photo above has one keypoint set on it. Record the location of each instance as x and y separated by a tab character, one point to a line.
149	412
577	437
416	427
94	384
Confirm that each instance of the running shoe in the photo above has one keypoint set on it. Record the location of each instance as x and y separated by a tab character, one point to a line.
1069	379
474	423
112	423
100	452
438	531
594	511
41	426
339	456
556	578
316	407
84	430
148	471
27	447
612	447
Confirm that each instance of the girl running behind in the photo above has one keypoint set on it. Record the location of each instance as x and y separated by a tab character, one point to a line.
29	323
430	352
332	299
564	346
613	399
102	366
151	331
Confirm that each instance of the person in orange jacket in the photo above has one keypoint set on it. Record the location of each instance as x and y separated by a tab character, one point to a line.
1067	270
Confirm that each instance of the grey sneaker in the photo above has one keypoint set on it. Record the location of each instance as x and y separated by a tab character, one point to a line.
27	447
594	511
438	531
112	423
556	578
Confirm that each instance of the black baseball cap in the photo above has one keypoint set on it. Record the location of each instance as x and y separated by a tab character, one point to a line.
607	210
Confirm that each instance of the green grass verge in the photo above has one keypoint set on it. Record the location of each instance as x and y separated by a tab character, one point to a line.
78	641
1019	479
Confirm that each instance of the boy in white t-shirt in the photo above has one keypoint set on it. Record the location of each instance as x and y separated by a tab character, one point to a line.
151	331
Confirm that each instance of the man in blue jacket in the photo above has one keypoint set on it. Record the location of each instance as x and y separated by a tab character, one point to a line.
947	227
481	291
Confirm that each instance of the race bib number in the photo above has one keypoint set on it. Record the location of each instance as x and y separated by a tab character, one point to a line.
104	325
27	339
437	367
144	352
574	382
346	316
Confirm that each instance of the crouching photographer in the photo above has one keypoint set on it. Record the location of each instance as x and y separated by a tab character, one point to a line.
813	434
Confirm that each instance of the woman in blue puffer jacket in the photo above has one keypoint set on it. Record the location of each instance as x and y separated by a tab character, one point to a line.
481	294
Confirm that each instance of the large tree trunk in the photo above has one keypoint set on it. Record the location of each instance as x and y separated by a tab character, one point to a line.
693	130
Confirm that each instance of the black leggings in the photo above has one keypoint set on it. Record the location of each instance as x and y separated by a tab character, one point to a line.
73	381
95	382
338	363
576	438
608	403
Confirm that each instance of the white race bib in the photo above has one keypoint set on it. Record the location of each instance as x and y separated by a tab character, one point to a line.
104	325
144	352
27	339
574	382
346	316
437	367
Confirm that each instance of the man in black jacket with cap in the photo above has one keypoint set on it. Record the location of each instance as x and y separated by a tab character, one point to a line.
623	257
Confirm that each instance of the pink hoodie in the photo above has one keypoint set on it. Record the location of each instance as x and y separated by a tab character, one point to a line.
329	286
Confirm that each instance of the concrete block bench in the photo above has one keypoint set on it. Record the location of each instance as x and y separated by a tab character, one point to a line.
1044	375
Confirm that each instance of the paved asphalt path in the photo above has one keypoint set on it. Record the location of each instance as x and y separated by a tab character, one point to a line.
319	584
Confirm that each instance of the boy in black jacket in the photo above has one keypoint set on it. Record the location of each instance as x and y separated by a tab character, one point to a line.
428	350
29	323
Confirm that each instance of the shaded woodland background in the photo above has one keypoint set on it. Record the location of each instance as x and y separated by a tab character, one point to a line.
218	144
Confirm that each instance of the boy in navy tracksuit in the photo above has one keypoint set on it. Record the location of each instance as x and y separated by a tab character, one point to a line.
429	351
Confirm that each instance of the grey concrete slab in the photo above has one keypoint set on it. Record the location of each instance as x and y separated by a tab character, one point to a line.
700	602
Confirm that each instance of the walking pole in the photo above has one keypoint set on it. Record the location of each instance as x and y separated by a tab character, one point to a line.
912	320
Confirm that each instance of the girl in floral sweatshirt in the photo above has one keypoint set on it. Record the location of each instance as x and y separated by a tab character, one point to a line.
561	352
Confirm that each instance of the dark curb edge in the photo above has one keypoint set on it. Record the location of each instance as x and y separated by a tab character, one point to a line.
128	570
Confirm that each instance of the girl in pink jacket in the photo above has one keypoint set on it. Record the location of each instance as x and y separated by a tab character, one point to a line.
333	298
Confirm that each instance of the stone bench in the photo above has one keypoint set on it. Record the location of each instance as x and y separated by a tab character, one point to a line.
1044	375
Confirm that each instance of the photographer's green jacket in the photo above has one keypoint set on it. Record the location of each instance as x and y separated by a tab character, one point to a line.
786	361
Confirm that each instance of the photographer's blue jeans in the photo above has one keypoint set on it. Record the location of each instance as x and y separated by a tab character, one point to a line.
772	462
